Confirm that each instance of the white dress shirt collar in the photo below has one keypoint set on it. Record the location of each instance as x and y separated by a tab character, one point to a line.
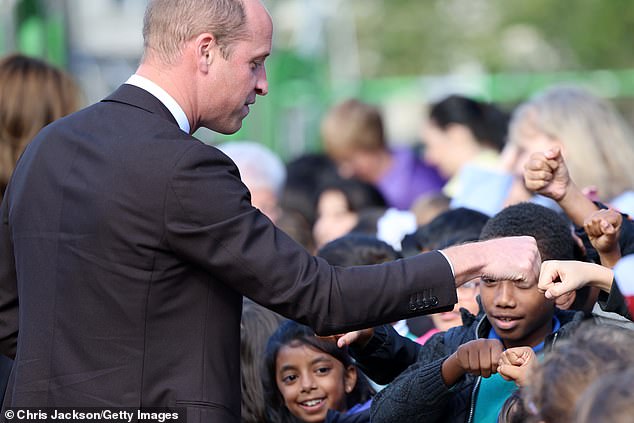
164	97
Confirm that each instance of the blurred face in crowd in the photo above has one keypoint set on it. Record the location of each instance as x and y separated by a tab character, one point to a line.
357	163
334	218
528	139
266	200
438	149
467	294
518	312
448	149
312	382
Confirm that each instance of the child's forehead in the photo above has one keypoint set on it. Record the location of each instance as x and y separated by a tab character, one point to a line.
302	351
302	356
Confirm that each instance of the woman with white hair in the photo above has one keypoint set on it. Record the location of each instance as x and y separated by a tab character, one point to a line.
594	140
262	171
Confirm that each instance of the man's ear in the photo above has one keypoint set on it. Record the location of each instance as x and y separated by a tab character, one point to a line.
205	50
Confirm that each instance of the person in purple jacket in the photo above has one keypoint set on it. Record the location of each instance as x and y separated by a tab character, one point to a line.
353	136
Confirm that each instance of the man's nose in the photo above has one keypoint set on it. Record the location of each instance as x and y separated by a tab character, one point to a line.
262	84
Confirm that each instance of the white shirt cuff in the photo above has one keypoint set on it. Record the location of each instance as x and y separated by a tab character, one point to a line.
448	261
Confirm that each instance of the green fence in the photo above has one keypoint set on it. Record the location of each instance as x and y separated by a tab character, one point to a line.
301	89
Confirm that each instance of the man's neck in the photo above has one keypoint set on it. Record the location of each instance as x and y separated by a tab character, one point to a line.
166	78
162	95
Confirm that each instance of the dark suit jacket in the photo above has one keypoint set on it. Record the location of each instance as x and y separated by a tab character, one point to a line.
130	244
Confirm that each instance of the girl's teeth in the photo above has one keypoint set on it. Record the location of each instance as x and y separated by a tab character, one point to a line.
312	402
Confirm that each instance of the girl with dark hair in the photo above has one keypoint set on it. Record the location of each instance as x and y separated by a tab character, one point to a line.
309	379
339	205
256	326
461	131
486	122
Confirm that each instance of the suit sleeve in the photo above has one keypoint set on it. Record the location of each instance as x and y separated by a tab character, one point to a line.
8	288
386	355
210	222
419	393
626	236
614	301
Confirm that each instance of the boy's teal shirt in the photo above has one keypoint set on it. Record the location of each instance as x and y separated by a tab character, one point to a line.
494	391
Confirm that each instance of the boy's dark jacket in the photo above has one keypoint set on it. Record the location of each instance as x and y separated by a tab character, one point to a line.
419	393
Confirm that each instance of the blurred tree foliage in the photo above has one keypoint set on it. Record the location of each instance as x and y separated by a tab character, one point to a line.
389	52
413	37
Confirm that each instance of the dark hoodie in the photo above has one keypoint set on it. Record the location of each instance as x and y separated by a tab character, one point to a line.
419	393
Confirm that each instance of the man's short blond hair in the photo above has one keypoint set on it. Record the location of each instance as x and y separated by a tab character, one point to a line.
353	125
169	24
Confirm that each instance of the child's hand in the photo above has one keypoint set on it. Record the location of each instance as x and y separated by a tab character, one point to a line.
359	338
559	277
603	228
479	357
546	174
517	364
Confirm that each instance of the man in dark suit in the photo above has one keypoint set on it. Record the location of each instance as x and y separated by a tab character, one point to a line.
126	245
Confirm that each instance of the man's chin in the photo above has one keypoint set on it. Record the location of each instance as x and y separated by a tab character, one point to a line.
225	129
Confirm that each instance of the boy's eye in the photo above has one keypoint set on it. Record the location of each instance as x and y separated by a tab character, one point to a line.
488	281
523	284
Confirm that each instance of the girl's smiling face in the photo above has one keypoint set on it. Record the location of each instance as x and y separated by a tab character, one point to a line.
312	382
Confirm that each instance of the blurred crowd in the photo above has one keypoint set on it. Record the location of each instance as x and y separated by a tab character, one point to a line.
555	168
558	167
